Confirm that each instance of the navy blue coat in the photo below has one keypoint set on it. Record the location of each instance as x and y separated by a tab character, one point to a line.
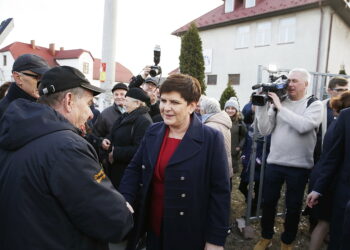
53	192
197	169
337	161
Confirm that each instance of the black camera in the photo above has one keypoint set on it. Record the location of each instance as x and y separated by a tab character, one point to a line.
156	70
279	86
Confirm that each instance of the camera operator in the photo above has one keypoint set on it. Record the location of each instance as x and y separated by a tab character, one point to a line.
292	125
151	86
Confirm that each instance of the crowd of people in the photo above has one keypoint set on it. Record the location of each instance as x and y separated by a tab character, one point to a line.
155	169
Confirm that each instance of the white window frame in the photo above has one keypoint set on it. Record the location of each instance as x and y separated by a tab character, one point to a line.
229	6
243	37
263	34
287	30
250	3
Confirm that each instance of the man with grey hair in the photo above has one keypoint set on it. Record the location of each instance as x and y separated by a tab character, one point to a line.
54	193
292	125
212	116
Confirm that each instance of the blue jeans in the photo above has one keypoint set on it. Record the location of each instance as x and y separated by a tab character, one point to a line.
275	177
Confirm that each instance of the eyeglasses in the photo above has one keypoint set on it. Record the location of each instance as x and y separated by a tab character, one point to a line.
340	90
36	77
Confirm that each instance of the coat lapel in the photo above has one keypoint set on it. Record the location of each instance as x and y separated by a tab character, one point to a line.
154	143
191	142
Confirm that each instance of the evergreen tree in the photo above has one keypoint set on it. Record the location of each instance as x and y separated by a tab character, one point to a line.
227	94
191	56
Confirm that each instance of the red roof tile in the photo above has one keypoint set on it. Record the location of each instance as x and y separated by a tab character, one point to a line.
122	74
218	17
70	54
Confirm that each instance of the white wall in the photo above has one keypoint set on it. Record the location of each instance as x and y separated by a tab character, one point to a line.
6	71
78	63
226	59
340	46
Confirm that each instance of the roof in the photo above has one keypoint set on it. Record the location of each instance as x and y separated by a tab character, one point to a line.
18	48
263	8
70	54
122	74
175	71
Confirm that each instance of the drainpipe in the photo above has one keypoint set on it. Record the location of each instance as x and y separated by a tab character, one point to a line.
329	41
319	37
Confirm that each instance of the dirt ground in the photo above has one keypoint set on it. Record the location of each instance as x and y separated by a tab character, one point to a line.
236	241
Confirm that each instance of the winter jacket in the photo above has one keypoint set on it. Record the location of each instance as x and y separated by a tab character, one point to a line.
196	188
14	92
53	192
222	122
126	136
105	121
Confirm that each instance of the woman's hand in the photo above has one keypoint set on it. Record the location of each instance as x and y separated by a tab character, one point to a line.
110	156
106	144
209	246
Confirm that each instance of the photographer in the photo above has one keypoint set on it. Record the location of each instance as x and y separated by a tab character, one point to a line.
151	86
292	125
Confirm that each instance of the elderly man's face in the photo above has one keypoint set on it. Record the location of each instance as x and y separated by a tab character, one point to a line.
297	86
81	111
28	82
119	97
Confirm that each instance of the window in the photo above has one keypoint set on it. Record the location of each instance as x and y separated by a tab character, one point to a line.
234	79
249	3
212	79
86	68
4	62
286	30
242	40
229	6
263	34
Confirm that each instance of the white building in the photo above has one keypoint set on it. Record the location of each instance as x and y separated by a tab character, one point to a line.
242	34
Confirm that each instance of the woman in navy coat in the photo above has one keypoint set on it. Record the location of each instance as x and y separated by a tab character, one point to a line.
178	181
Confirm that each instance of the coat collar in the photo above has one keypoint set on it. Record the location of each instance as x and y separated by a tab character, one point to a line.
189	146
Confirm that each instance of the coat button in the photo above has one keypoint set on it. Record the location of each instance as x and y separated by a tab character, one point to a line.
141	184
181	213
182	178
183	195
229	231
143	167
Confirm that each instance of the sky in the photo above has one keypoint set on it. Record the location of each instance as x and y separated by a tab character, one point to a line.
78	24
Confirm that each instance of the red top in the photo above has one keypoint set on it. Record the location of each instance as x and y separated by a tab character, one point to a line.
168	148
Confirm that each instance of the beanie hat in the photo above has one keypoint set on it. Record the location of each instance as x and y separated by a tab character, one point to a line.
120	85
232	102
138	94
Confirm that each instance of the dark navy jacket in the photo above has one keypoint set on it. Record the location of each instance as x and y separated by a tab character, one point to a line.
13	93
53	194
197	189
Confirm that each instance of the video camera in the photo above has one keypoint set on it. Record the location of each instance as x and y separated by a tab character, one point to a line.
279	86
156	70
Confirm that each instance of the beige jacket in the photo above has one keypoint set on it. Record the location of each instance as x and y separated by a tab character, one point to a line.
222	122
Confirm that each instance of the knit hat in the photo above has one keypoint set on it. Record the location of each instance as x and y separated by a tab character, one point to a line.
120	85
232	102
138	94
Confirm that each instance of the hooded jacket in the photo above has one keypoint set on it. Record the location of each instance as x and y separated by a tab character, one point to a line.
53	192
222	122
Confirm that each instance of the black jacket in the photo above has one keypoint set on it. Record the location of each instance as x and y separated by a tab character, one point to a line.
126	136
14	92
53	194
105	121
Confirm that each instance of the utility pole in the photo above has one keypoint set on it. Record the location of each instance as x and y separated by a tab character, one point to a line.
108	52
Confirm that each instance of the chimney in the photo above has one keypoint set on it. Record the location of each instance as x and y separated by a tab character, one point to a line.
52	49
61	48
32	43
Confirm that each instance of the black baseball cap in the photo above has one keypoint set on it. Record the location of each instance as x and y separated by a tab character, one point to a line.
65	77
120	85
30	62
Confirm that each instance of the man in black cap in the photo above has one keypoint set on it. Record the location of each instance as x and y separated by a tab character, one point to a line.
151	86
105	120
54	193
26	71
